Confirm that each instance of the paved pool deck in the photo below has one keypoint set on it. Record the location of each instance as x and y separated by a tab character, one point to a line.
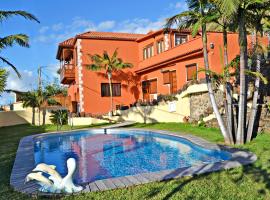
24	164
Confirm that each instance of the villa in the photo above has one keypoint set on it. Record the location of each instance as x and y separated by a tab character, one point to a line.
162	64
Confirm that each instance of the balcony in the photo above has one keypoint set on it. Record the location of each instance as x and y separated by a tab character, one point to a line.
67	73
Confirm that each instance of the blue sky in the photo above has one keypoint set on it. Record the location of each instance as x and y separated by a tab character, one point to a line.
61	19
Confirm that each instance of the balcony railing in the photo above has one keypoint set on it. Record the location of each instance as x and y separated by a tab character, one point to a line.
67	75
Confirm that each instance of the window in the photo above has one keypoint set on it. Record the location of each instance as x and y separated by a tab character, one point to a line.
191	72
179	39
160	46
116	89
149	86
148	52
169	77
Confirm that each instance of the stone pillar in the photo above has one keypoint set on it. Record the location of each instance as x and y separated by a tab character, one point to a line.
166	41
80	74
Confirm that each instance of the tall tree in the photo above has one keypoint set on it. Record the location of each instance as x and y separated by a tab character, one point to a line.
240	8
199	14
223	24
31	99
109	65
259	15
47	97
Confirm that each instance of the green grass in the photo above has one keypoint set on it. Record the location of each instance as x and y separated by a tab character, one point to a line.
249	182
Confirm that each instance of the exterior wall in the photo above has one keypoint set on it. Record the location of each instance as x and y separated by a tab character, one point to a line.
128	51
215	59
180	68
87	86
11	118
163	112
82	121
17	106
160	113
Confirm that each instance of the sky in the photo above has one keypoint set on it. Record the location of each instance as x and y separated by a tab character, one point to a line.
62	19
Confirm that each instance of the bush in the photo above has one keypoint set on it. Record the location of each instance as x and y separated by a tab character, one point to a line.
166	98
59	117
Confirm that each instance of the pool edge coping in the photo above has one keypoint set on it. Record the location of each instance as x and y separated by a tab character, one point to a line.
25	151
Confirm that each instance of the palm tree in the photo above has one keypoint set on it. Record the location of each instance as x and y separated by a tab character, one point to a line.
31	99
258	18
223	23
10	40
110	65
239	9
47	97
199	14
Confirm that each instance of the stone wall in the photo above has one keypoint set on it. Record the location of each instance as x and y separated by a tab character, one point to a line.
200	104
263	118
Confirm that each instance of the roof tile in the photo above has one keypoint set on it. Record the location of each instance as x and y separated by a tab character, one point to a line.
68	42
111	35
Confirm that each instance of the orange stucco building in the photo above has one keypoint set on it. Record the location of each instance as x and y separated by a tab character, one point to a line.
162	64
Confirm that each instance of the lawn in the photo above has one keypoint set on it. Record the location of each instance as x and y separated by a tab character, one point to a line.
249	182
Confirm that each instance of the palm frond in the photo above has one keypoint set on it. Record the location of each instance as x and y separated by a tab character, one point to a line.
106	56
94	67
20	39
7	14
195	28
228	7
4	60
3	79
257	75
114	56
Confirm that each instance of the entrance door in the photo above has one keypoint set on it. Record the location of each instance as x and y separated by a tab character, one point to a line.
74	106
149	87
146	90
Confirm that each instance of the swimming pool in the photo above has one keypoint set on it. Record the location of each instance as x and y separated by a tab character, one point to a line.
122	158
121	153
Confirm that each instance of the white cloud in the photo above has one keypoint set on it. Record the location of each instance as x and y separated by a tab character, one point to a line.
59	32
43	29
178	6
106	25
140	25
27	82
57	27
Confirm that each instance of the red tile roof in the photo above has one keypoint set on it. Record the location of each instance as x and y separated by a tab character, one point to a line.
68	42
110	35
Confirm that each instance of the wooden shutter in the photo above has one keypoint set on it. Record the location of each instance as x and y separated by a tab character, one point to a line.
153	86
191	72
173	81
166	77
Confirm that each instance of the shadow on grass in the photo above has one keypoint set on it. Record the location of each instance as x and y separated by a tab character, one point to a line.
257	173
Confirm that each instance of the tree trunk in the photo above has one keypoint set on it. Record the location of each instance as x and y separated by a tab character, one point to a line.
254	106
228	88
111	94
39	116
243	85
33	115
210	89
44	116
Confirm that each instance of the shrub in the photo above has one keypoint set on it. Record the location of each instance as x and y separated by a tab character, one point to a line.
59	117
166	98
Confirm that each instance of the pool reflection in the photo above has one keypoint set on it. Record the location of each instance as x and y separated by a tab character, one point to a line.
102	156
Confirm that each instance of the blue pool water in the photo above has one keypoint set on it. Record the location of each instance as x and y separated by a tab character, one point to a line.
120	153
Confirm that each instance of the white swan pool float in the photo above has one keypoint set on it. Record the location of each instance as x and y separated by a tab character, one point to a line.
54	183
